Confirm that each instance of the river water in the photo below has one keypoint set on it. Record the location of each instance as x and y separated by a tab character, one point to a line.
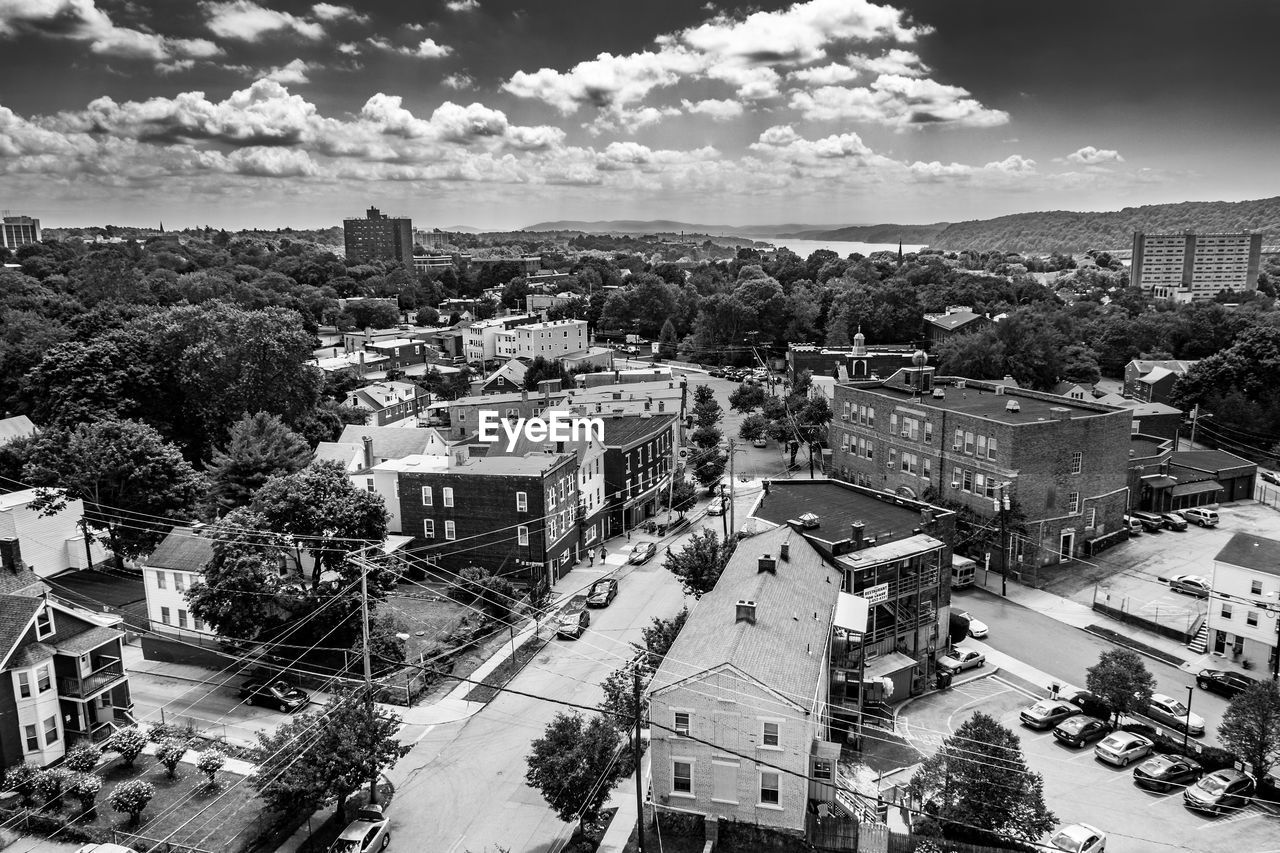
804	248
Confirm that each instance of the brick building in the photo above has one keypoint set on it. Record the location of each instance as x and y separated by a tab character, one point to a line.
1061	462
859	361
957	320
1152	381
638	461
379	237
1158	420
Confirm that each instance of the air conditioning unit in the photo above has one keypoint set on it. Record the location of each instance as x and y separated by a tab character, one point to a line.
844	418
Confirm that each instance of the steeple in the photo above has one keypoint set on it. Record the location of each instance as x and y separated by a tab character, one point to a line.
899	252
859	344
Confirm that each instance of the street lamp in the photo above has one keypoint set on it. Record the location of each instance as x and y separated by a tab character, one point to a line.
1001	506
1186	729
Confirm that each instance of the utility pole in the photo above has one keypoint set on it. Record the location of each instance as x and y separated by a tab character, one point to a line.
1001	506
1195	414
368	668
635	683
724	513
732	521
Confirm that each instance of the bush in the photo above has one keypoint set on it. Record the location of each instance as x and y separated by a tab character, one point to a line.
50	783
131	798
210	762
83	757
169	753
129	743
22	778
161	732
85	787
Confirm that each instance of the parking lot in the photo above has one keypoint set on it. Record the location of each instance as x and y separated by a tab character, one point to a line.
1078	788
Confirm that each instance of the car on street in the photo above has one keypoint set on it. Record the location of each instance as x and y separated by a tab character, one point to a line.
1080	838
1173	521
602	592
368	832
1123	748
961	659
717	506
760	442
1047	713
1163	772
1269	477
273	694
1201	516
1171	712
574	619
1220	791
977	628
1080	730
1229	684
641	552
1197	585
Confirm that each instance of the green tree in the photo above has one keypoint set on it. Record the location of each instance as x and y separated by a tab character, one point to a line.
708	467
700	562
979	355
747	397
22	778
85	788
659	635
668	340
618	705
326	754
979	778
372	314
261	447
127	743
838	321
83	757
50	785
240	593
707	415
1121	680
572	764
543	368
1080	365
129	478
169	753
681	495
1251	727
753	426
209	762
131	797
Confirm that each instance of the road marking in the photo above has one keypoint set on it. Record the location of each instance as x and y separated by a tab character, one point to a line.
1013	686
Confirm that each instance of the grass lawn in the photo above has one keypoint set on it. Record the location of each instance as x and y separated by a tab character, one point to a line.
424	620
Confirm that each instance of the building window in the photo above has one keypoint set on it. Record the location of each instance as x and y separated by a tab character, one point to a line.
448	495
682	778
51	730
967	485
179	582
979	484
522	502
770	735
1091	517
1251	618
33	739
893	458
968	443
1226	611
449	530
1255	587
1077	461
926	472
724	781
44	622
43	679
426	496
991	447
928	431
428	528
871	416
822	769
161	583
893	423
164	615
769	793
1073	502
522	535
681	720
959	440
24	685
182	618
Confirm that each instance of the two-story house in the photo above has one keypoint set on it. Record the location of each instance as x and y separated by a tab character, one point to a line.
480	339
639	460
50	543
737	710
1151	381
1062	463
67	682
506	379
957	320
389	402
173	567
1243	621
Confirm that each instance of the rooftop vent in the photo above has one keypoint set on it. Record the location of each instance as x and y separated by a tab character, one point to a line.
746	612
809	521
1013	406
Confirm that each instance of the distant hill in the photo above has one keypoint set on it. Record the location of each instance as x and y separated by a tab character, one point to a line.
669	226
1071	231
922	234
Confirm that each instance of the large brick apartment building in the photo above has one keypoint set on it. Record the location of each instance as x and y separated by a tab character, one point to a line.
1062	462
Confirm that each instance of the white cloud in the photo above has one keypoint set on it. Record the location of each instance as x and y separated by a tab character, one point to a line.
293	73
899	102
720	110
273	162
428	49
331	12
462	5
894	61
603	81
824	75
247	21
459	80
349	48
83	21
1091	156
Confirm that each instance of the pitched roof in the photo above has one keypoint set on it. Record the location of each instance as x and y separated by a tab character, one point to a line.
30	655
337	451
1174	365
23	583
18	426
954	320
785	648
16	613
1156	374
513	372
1251	552
389	442
184	550
87	640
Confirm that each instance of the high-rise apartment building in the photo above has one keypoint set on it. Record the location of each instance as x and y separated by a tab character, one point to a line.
18	231
1189	267
379	237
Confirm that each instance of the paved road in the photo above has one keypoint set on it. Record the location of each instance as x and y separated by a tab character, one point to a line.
212	709
462	787
1066	652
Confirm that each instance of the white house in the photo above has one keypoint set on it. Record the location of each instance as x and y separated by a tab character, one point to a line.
1244	609
176	563
550	340
50	543
480	339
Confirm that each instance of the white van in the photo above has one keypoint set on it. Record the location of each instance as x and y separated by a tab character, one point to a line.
1201	516
963	571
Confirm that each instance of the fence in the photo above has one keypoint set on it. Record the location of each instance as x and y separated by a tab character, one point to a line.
1122	614
847	835
31	822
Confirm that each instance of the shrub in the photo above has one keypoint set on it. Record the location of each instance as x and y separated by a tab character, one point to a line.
169	753
131	798
50	783
210	762
129	743
83	757
85	787
22	778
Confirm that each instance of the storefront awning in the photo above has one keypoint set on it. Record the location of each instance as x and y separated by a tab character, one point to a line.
1196	488
886	665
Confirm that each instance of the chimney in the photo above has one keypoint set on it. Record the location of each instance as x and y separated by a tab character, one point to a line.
368	335
856	530
559	447
524	395
926	516
746	612
11	556
1060	413
768	564
784	551
368	451
460	455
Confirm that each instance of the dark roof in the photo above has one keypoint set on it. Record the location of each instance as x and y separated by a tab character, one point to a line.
24	582
976	401
1209	460
87	640
1251	552
16	612
626	430
184	549
1142	448
954	320
837	506
785	649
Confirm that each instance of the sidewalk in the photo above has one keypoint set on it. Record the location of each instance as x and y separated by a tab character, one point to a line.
623	799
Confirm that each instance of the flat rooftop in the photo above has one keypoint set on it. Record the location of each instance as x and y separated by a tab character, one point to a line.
528	465
837	505
988	404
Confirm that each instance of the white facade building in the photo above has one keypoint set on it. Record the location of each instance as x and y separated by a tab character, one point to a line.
50	543
480	340
1244	608
549	340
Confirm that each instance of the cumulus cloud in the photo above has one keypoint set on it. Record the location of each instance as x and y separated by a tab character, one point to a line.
897	101
426	49
1091	156
83	21
331	12
824	75
603	81
247	21
894	61
459	80
273	162
349	48
462	5
294	73
720	110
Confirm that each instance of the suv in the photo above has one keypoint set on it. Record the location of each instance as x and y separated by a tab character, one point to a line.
1173	521
1150	521
1201	516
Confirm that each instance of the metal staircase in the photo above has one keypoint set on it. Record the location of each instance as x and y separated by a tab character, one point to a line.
1200	643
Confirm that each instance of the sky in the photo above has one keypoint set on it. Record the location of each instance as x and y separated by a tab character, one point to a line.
504	113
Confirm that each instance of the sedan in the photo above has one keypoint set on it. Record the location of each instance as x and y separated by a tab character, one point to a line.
642	552
961	659
602	592
760	442
1080	838
1269	477
1220	791
1229	684
1171	712
717	506
276	694
1163	772
1122	748
1173	521
1047	713
1196	585
1079	730
716	374
369	831
977	628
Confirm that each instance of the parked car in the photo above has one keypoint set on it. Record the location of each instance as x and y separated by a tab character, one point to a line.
716	373
369	831
1173	521
273	694
105	847
1080	838
574	619
1163	772
1171	712
1201	516
1134	526
1092	705
1269	477
1150	521
1197	585
760	442
1220	791
602	592
1047	713
977	628
1229	684
718	506
1123	748
961	659
1080	729
641	552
